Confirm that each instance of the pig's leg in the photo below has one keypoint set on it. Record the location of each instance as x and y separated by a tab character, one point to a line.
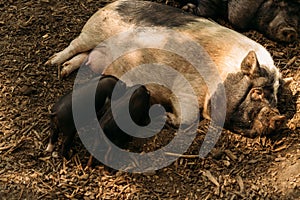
73	64
83	43
90	162
67	143
53	137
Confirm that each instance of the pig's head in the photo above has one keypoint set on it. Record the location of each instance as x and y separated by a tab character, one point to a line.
139	105
278	19
255	116
251	99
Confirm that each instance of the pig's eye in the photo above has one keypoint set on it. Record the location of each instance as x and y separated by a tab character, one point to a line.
258	91
268	91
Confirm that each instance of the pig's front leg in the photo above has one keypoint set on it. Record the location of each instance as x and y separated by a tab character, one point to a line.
54	135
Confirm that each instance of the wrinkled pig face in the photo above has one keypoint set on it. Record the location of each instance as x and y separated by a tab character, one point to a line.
251	99
279	19
255	116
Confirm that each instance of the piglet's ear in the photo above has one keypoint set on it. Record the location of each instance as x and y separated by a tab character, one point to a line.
250	65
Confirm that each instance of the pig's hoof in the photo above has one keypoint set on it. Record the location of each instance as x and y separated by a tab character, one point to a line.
51	60
189	7
50	148
48	63
69	66
64	73
90	162
56	59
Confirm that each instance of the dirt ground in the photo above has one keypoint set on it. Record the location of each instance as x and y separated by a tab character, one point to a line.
237	168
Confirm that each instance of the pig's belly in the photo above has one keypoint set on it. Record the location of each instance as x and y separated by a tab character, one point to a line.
147	57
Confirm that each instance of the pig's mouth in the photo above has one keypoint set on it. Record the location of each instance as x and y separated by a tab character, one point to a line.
267	121
254	115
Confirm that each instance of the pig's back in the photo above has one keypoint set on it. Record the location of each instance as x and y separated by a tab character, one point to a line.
221	43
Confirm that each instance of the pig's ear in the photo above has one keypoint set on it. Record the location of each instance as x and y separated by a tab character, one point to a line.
250	65
287	81
241	12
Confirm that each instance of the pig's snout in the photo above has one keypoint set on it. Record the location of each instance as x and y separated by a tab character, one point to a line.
270	120
287	34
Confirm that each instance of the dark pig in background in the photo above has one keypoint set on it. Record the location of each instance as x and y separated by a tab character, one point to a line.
246	68
278	20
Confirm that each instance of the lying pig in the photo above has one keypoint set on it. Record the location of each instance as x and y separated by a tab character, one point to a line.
245	67
278	20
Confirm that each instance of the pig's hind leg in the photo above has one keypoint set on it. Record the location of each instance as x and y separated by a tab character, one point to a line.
53	137
81	44
73	64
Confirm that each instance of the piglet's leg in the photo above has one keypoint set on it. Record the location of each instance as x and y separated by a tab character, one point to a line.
67	143
89	163
73	64
53	137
